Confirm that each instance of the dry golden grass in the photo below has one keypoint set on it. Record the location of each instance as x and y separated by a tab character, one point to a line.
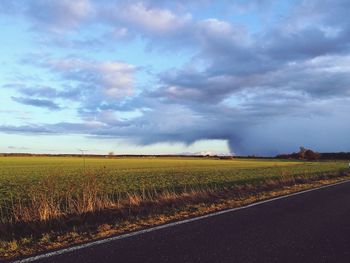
45	221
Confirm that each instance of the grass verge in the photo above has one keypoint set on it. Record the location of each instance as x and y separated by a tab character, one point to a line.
139	210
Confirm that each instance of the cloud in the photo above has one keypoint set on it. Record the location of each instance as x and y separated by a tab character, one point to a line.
90	83
152	20
67	93
58	15
262	91
42	103
247	6
18	148
9	7
111	78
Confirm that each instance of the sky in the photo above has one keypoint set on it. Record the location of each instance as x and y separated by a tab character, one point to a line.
258	77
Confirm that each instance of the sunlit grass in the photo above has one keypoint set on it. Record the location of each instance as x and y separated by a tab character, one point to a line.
24	179
67	201
17	174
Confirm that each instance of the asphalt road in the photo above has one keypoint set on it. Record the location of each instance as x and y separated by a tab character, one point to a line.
310	227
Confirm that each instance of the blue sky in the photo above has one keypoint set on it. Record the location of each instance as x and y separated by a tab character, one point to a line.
157	77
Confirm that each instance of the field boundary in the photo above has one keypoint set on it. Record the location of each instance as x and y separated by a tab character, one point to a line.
167	225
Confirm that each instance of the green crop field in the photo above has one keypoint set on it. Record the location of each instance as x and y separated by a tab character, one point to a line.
25	180
19	174
64	197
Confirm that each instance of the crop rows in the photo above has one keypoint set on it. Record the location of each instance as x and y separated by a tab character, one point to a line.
40	188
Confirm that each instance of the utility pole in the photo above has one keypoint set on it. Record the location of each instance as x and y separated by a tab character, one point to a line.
83	154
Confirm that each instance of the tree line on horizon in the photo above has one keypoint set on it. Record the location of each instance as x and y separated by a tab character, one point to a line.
302	154
310	155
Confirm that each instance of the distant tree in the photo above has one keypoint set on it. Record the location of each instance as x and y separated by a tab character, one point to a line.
284	156
301	153
110	154
311	155
302	149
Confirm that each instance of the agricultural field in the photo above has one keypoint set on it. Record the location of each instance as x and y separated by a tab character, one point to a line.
18	175
22	178
48	202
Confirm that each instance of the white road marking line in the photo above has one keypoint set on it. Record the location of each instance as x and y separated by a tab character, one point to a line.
110	239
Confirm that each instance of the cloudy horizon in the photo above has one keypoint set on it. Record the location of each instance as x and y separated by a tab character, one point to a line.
258	77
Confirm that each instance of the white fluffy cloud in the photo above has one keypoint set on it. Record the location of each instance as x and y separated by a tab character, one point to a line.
113	79
150	19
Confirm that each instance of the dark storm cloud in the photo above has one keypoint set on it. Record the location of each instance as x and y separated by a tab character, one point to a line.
264	92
